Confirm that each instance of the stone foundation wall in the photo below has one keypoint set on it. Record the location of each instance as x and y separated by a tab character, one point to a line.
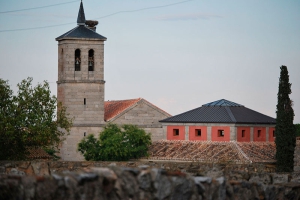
231	171
139	183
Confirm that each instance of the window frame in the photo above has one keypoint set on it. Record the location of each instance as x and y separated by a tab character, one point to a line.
176	132
221	133
197	131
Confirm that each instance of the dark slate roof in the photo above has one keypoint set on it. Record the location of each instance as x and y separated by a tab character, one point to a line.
221	111
81	16
81	32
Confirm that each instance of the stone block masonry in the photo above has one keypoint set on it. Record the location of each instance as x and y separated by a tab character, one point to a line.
125	183
146	117
68	149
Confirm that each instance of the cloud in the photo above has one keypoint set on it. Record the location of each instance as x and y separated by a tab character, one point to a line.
191	16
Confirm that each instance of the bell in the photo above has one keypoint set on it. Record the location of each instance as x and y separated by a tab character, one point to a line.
90	64
77	62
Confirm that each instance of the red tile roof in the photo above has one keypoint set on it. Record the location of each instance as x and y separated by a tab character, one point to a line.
207	151
36	153
116	107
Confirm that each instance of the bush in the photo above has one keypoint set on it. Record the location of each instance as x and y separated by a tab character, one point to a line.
116	144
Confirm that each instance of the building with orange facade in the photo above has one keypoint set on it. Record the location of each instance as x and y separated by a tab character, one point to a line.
220	120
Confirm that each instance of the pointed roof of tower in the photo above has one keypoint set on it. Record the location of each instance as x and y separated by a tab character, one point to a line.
81	31
81	16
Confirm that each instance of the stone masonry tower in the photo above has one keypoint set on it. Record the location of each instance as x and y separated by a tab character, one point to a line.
80	84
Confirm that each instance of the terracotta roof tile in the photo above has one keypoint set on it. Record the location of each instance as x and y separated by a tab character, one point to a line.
113	108
116	107
37	153
207	151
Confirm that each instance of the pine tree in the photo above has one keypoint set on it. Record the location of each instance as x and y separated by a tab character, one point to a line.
285	129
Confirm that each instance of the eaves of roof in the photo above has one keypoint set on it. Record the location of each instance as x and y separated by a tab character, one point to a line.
221	114
81	32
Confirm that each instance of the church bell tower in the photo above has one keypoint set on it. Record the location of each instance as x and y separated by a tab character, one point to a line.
80	84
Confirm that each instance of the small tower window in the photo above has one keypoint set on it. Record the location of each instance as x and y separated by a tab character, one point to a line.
84	134
91	60
77	60
84	101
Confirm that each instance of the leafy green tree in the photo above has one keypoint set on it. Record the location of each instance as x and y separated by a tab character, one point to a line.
89	147
285	129
30	118
297	126
11	145
116	144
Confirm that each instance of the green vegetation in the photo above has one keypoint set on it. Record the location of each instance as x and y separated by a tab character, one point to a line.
297	126
29	119
285	129
116	144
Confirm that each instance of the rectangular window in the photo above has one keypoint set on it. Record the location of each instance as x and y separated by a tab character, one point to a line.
243	133
197	132
220	133
84	101
258	133
84	134
175	132
273	133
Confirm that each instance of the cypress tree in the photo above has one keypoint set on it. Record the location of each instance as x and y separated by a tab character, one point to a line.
284	130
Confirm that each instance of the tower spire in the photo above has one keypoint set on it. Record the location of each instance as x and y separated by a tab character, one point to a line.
81	16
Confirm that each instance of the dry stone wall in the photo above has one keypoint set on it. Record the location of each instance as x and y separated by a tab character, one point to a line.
230	171
138	183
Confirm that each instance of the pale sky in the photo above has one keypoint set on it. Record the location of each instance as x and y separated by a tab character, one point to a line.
178	57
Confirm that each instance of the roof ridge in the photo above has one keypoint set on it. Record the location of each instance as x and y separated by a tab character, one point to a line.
241	151
123	100
123	108
156	106
71	31
227	108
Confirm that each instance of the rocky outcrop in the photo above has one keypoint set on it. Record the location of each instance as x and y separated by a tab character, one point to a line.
140	183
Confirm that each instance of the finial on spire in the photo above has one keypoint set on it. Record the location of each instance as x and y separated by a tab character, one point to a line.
81	16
